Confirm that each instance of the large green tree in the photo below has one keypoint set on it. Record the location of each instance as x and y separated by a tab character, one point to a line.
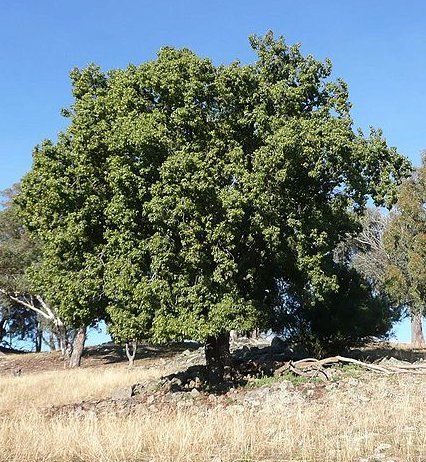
185	198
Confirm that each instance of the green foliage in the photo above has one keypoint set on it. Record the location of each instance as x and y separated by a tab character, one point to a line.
63	202
184	196
405	244
353	314
18	251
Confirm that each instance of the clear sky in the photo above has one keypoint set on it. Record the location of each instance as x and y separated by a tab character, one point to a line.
377	46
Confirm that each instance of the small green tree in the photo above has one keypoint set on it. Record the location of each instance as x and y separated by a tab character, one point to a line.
353	314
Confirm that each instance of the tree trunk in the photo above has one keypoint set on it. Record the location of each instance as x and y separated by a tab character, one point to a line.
218	357
2	329
63	342
38	337
131	348
51	341
417	337
78	347
255	334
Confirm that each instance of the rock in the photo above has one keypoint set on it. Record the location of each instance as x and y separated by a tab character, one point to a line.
243	352
139	388
383	447
183	403
195	393
390	361
176	381
331	386
236	408
254	403
122	393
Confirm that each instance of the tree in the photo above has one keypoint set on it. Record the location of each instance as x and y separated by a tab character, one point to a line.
184	196
62	203
17	323
247	178
368	253
405	244
355	313
24	309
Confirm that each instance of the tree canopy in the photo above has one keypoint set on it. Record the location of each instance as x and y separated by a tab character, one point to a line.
184	196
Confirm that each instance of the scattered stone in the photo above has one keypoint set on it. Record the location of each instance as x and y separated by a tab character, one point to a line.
122	393
383	447
176	381
195	393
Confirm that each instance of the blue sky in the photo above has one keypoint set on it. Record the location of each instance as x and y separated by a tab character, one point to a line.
377	46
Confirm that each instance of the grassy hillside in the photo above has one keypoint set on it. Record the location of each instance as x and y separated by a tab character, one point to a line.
359	416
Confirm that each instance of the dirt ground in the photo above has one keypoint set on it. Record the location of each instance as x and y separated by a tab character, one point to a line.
106	355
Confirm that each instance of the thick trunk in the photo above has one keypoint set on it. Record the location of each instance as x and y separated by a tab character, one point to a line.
131	348
218	357
78	347
417	337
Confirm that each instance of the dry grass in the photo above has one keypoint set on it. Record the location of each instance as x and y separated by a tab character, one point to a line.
67	386
345	425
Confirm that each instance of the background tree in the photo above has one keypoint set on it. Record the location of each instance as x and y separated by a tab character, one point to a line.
18	324
353	314
62	203
367	251
405	244
25	311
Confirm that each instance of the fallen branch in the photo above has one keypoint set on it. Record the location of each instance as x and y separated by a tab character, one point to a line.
311	367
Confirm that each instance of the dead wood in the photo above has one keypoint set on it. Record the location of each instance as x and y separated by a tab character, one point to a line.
312	367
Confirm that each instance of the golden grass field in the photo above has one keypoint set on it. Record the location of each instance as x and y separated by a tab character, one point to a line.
378	419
